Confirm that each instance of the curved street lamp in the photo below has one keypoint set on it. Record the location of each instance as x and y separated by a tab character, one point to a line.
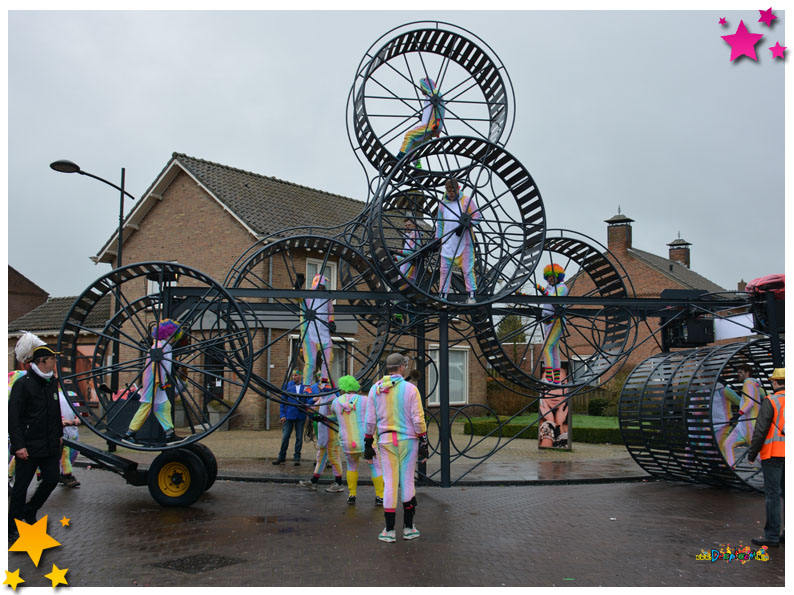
69	167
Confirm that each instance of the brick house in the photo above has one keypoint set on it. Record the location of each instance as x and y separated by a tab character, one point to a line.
23	294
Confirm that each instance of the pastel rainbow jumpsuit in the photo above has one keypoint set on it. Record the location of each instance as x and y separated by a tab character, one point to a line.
432	120
721	414
398	419
327	441
552	332
68	455
153	394
350	412
752	394
457	250
409	269
317	334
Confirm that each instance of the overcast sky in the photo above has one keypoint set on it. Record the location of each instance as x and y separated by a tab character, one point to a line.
639	109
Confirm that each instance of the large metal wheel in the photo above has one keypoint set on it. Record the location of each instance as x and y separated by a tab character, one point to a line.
210	364
360	327
508	226
674	418
594	340
386	99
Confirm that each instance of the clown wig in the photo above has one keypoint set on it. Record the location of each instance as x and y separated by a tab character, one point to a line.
168	329
555	271
319	280
349	384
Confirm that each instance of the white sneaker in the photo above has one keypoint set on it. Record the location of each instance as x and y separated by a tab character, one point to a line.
410	533
307	483
387	536
335	487
471	300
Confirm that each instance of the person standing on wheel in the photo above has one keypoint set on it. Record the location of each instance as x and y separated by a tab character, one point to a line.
35	428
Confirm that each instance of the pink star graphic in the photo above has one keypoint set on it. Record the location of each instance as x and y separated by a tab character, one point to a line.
742	42
723	22
777	51
767	17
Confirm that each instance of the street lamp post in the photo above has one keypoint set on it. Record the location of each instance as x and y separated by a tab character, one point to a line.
68	167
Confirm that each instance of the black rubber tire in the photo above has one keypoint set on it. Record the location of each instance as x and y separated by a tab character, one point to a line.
177	477
209	460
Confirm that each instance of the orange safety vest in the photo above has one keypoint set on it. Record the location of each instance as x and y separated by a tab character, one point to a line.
775	441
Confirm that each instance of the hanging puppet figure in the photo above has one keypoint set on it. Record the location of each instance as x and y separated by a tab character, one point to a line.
317	324
410	245
457	214
553	325
752	395
432	119
157	379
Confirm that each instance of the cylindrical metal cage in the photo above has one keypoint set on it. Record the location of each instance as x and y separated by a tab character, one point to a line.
678	420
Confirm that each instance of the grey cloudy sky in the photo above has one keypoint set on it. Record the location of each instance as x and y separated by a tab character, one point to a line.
638	109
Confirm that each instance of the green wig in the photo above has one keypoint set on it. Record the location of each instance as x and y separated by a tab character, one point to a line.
349	384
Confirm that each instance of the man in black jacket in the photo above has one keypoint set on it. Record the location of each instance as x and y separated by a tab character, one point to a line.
35	429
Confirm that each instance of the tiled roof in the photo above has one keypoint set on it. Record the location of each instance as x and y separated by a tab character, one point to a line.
266	204
686	277
51	314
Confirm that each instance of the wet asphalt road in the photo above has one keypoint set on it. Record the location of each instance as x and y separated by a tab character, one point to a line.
273	534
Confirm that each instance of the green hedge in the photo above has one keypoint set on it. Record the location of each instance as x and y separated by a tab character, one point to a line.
580	433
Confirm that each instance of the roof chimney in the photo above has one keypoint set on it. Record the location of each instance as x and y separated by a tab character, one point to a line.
741	285
679	251
619	233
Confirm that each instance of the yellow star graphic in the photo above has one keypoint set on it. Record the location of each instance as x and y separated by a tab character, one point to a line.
13	579
33	539
65	522
57	576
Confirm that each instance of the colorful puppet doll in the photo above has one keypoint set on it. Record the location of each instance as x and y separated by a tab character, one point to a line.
317	324
410	245
432	119
457	238
157	379
553	324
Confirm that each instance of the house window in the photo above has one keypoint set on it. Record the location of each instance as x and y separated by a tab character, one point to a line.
458	377
341	354
314	266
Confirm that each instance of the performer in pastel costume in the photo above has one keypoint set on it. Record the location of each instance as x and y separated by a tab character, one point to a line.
553	325
316	332
156	381
70	432
721	414
350	410
751	397
457	242
432	122
327	440
395	413
410	245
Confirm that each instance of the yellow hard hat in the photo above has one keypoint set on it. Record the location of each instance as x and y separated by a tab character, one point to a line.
778	374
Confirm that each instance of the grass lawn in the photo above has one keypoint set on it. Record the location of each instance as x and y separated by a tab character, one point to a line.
579	421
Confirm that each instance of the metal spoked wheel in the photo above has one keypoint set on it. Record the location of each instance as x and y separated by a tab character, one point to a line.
594	340
109	369
473	95
359	328
504	215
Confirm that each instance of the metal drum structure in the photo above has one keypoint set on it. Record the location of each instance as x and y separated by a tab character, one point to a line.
472	88
672	418
386	293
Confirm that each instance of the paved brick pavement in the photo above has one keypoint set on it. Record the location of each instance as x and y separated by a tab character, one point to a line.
275	534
